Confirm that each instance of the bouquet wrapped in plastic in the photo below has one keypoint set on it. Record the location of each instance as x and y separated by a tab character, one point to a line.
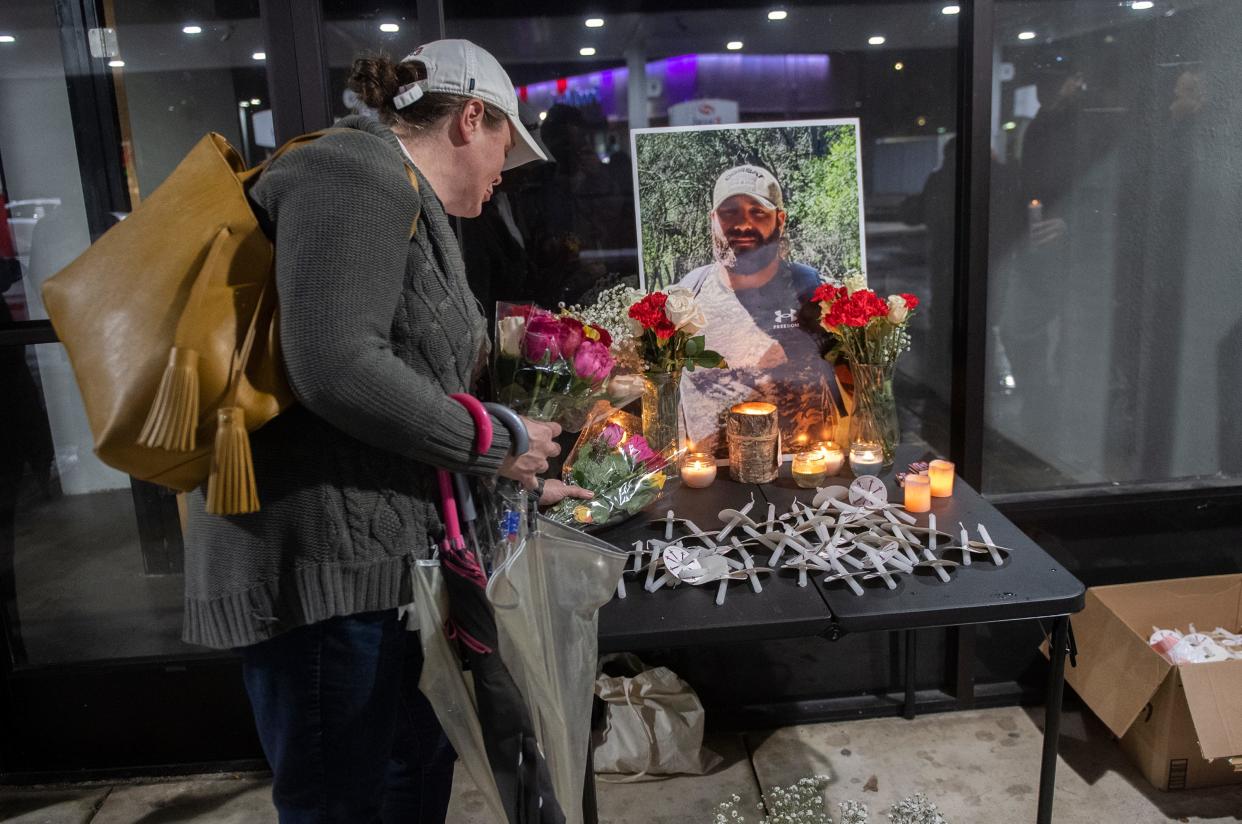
618	465
553	367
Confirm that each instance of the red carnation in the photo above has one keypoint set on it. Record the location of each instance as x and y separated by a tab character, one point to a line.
911	300
827	293
665	329
650	310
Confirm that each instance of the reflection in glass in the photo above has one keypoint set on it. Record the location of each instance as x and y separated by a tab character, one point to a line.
72	577
566	230
88	558
1114	336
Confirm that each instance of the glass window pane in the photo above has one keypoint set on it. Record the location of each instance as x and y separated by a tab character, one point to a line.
189	68
1114	333
559	233
355	27
73	582
90	560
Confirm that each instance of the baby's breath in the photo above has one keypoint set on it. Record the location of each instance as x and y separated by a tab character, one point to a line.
803	803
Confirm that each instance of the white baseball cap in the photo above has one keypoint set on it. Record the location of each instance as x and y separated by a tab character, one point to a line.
461	67
753	181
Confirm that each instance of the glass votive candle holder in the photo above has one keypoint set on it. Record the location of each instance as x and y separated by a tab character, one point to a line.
917	493
941	474
698	470
866	457
835	455
810	468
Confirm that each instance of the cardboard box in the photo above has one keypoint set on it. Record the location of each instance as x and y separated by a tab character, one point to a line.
1182	725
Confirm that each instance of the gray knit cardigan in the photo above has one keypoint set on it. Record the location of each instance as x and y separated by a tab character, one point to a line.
377	329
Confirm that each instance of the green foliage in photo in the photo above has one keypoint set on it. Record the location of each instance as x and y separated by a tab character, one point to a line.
815	165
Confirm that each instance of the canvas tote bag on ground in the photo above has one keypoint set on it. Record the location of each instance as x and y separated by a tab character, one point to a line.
654	722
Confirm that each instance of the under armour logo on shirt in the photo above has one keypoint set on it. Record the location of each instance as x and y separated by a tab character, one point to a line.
786	317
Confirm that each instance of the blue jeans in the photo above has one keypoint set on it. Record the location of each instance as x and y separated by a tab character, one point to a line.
347	733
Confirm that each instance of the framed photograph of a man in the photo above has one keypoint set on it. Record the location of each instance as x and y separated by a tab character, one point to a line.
752	218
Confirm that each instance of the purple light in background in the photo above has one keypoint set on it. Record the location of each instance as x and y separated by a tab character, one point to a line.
756	81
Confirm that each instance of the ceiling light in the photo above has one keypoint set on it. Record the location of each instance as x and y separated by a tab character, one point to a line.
1141	5
254	101
191	29
116	64
1026	35
587	51
7	38
734	45
1009	126
543	115
877	40
259	56
245	104
921	120
595	22
391	28
777	14
951	10
898	66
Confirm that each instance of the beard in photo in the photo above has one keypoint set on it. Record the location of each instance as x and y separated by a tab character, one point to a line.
751	260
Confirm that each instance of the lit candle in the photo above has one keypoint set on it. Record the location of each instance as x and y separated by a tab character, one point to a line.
1034	213
941	474
810	468
753	434
918	493
698	470
866	458
834	455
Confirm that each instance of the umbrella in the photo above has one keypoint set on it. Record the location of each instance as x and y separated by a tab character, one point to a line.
517	684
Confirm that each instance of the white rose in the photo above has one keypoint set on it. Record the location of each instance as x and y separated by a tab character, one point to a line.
511	331
695	323
680	306
897	309
854	283
636	328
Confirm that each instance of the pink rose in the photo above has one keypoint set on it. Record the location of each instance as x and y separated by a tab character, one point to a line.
642	452
542	342
612	435
592	361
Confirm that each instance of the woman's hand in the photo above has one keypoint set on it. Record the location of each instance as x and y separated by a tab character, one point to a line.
555	491
527	467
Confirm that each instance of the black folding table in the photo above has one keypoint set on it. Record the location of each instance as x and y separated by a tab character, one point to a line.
1029	585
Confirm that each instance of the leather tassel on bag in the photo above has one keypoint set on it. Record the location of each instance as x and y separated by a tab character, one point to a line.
173	417
231	489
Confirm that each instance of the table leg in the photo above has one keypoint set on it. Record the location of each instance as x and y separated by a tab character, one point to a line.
1052	717
910	672
961	644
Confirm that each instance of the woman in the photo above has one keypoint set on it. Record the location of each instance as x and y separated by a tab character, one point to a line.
378	328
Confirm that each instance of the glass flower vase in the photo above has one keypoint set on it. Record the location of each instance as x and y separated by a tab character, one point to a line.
661	405
874	419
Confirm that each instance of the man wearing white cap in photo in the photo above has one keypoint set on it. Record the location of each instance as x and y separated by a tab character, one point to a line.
751	296
378	331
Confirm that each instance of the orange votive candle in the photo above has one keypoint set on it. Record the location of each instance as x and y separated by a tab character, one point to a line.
918	493
941	474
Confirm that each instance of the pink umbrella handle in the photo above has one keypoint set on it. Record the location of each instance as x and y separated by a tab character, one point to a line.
482	421
448	502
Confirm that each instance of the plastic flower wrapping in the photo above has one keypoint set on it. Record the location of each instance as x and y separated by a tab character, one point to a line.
616	463
553	367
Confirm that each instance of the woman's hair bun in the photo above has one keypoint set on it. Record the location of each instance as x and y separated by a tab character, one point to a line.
376	79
